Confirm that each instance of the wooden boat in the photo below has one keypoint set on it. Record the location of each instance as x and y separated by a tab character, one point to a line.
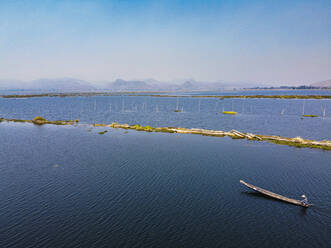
276	196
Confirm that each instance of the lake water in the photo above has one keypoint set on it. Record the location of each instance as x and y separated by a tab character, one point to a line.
65	186
260	116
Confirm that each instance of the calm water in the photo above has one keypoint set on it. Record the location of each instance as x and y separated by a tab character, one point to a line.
261	116
64	186
71	187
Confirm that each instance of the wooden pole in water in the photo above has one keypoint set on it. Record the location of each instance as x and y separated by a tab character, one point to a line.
323	111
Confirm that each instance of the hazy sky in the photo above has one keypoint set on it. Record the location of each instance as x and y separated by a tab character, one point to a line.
256	41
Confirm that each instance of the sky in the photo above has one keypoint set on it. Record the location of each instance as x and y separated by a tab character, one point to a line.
238	41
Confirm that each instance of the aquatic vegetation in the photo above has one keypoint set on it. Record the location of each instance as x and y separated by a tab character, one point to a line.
39	120
245	96
113	124
103	132
234	134
148	128
163	130
236	137
140	128
136	127
17	120
99	125
177	110
301	145
229	112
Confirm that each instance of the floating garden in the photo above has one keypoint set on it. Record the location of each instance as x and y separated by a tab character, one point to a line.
297	142
229	112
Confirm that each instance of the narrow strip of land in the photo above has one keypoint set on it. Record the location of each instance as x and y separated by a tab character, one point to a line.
247	96
150	94
297	141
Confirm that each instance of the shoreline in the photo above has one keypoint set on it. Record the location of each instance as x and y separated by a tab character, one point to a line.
151	94
234	134
250	96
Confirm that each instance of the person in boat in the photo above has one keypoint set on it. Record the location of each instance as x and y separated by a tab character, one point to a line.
305	200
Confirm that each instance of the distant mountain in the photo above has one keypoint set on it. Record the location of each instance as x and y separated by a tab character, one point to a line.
62	84
208	86
73	84
323	84
120	84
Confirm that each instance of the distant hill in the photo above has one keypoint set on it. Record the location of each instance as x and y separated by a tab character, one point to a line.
73	84
154	85
120	84
208	86
62	84
323	84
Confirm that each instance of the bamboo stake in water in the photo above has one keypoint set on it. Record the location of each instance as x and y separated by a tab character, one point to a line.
323	113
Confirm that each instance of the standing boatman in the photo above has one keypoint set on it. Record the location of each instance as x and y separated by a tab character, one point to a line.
305	200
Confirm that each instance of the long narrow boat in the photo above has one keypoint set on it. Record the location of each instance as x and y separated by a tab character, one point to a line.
276	196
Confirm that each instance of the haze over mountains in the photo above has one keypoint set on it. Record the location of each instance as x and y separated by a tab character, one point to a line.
73	84
323	84
63	84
